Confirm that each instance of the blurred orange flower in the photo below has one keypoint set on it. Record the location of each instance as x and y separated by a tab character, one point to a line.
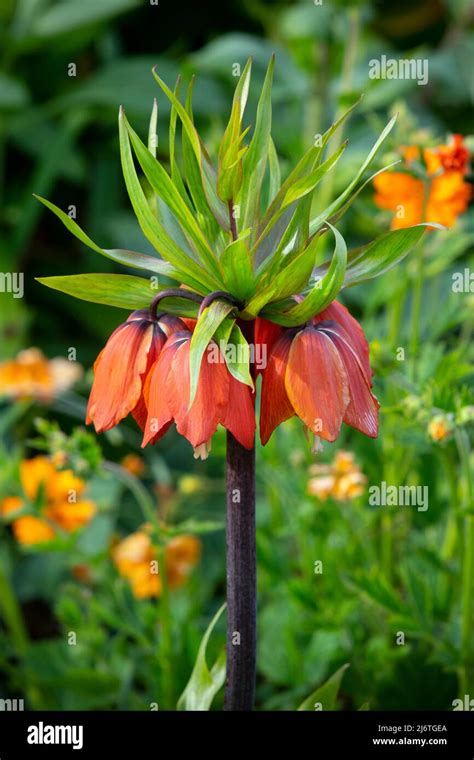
439	428
58	492
32	375
441	197
341	480
136	559
133	464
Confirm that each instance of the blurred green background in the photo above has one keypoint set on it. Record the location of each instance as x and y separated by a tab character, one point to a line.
385	570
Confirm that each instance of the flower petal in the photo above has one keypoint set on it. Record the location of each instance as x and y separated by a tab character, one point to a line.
239	414
316	383
362	410
266	333
198	423
117	374
337	312
159	415
275	406
140	412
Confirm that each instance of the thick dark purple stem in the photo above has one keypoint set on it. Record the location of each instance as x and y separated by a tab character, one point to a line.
241	577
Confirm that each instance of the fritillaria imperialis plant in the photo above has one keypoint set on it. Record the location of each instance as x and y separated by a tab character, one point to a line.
239	277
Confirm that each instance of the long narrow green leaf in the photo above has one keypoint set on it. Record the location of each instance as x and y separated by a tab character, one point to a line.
194	178
255	161
274	174
206	326
299	189
290	280
153	129
327	213
321	295
346	206
231	151
306	163
164	187
190	273
175	172
208	172
237	265
204	683
128	258
237	357
121	290
377	257
325	696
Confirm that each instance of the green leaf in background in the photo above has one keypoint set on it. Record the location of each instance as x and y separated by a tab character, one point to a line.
325	695
121	290
67	16
206	326
204	682
13	93
377	257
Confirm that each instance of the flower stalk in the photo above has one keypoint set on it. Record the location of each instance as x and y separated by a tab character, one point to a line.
241	577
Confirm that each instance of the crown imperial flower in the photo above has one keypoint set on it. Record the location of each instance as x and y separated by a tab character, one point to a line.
251	279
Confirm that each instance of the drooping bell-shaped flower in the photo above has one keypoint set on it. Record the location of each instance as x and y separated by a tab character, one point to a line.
219	398
122	365
320	373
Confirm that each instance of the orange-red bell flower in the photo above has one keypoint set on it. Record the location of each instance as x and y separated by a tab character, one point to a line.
220	398
321	373
121	367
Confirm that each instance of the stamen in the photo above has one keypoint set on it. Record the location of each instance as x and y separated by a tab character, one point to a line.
202	451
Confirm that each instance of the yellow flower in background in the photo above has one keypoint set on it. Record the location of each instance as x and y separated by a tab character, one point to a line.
341	480
190	485
135	558
32	375
441	198
58	492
